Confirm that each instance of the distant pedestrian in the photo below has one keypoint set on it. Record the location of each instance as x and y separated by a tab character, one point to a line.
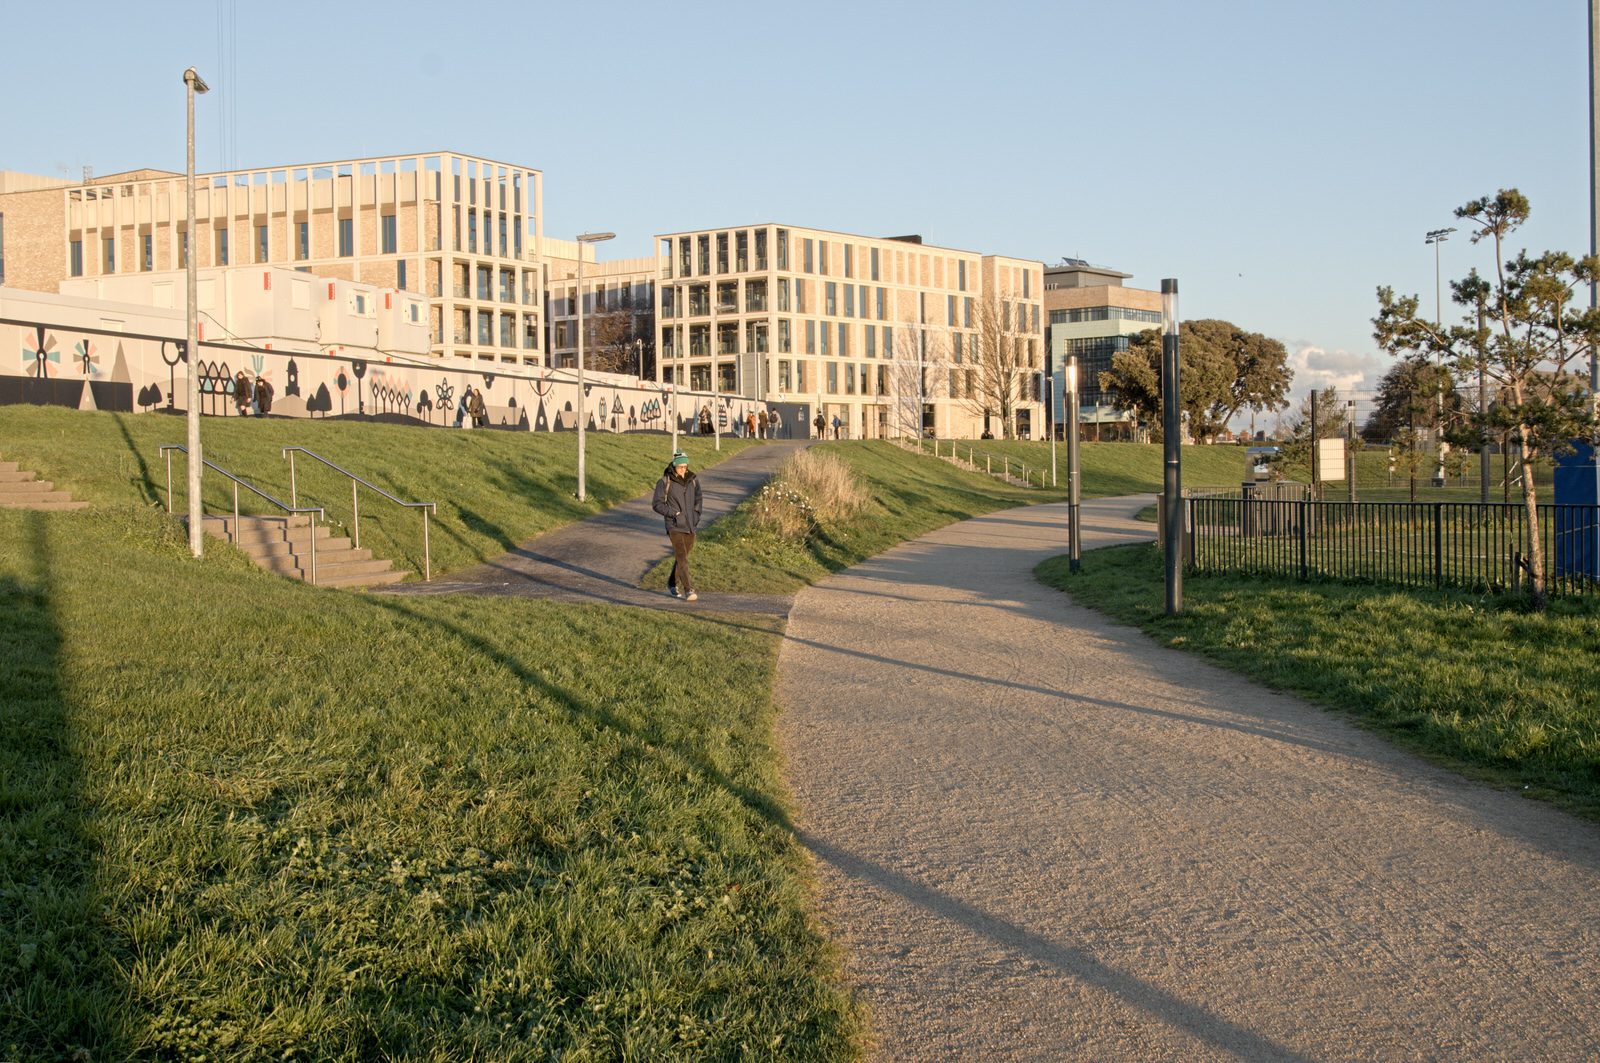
479	413
750	425
461	408
763	425
241	393
263	396
775	425
677	499
821	426
705	420
836	426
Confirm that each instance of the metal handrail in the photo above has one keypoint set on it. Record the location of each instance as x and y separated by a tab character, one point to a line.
167	449
355	503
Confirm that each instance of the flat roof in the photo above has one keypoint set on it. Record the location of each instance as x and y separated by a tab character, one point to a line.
836	232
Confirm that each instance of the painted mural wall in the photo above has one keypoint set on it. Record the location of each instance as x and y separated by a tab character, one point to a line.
89	368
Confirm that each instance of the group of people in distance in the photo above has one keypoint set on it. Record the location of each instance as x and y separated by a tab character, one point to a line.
252	396
472	406
762	424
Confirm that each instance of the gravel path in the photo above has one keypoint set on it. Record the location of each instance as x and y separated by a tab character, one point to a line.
1040	835
601	560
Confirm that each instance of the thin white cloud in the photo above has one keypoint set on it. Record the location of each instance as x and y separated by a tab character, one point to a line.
1351	372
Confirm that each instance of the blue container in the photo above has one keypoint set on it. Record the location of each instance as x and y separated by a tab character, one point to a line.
1577	525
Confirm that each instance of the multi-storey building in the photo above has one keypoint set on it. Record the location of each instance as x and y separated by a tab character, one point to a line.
884	334
460	230
1091	315
618	309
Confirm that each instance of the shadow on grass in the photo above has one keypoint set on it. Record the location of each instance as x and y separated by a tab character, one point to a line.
60	995
1159	1004
484	527
146	485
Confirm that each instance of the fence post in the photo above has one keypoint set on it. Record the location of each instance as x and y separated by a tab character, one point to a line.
1305	568
1438	544
1191	531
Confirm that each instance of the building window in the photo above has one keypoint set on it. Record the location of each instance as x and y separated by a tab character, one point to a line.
388	235
261	243
955	347
77	258
111	255
875	276
485	326
849	261
849	300
872	342
822	257
799	296
783	295
147	252
888	341
302	240
950	310
783	248
811	337
844	340
400	275
881	316
961	273
761	249
783	375
722	252
799	376
806	253
705	255
347	237
833	378
1027	287
966	312
827	338
503	231
831	300
783	336
472	230
183	250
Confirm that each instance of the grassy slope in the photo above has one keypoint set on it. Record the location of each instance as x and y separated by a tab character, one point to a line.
1111	468
1503	694
241	816
494	489
913	495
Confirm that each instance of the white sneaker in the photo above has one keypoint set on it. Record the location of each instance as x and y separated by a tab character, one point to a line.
691	597
674	592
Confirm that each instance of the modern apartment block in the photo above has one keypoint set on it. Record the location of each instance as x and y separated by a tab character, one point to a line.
1093	316
862	328
618	309
462	231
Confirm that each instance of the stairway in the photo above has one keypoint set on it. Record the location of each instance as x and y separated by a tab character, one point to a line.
280	546
19	490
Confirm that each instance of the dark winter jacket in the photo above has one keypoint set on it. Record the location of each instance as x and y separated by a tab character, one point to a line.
678	501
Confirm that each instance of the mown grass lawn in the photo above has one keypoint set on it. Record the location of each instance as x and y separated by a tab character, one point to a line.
1474	681
245	818
494	489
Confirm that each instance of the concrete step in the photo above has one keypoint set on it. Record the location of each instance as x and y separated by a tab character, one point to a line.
8	466
375	579
14	475
287	564
46	507
25	487
23	500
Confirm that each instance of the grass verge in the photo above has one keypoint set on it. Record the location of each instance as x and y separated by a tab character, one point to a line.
494	489
1505	695
241	817
911	495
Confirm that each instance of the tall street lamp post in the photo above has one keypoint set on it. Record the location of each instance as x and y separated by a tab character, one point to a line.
1437	237
1172	439
194	85
583	416
1075	514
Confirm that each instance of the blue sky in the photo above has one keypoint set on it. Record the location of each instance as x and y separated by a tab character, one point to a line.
1280	159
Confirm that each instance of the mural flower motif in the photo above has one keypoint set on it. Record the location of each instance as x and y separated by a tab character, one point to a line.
41	354
86	354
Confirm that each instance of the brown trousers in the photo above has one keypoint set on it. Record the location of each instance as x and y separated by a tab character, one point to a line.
682	543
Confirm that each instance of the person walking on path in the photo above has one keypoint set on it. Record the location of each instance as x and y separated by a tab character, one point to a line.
821	427
775	425
750	425
836	426
678	500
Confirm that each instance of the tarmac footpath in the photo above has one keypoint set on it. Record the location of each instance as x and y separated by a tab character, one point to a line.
1041	835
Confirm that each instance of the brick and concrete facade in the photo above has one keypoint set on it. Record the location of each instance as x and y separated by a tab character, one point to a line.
618	311
865	328
462	231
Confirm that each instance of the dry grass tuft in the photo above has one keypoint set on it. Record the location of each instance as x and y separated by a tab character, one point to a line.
810	490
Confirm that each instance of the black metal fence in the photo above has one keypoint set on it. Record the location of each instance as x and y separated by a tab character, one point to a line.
1413	544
